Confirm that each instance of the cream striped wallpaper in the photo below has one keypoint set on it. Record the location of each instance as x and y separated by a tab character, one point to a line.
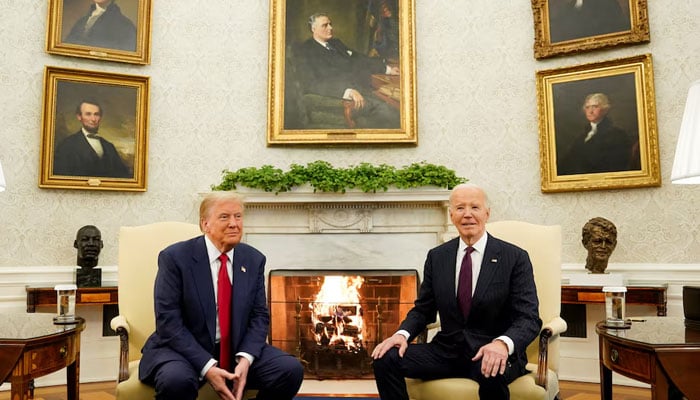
476	113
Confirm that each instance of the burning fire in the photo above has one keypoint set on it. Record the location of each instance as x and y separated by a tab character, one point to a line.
336	312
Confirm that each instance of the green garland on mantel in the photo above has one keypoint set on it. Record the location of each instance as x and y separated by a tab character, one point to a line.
324	177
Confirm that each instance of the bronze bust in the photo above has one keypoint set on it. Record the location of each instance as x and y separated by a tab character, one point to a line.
599	237
89	243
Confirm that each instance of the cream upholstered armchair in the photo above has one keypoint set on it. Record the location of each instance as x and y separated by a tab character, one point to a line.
543	243
138	263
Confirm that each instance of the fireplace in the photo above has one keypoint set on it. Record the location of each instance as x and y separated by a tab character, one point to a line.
331	320
382	237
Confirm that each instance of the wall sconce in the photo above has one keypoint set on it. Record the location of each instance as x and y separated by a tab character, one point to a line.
686	164
2	179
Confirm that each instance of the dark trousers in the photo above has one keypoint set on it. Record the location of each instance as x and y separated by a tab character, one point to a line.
276	375
435	361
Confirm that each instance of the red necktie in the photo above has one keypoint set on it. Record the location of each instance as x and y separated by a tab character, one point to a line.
464	288
224	305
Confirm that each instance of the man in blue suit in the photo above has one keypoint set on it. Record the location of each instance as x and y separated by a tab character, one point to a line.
487	319
185	350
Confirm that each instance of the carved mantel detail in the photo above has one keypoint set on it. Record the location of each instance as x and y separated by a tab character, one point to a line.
340	219
397	211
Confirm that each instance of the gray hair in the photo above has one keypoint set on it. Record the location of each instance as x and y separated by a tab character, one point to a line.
601	98
468	185
312	19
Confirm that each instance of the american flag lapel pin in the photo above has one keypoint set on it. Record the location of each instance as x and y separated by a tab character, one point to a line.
243	269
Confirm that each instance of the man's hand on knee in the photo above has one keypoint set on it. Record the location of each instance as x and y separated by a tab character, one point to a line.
494	358
397	340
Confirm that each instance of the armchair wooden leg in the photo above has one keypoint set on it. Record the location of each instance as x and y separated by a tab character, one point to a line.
123	354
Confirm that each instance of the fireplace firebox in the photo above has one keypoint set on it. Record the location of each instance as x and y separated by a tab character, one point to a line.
332	319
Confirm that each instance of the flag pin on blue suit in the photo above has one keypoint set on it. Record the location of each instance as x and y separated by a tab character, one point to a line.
243	269
493	260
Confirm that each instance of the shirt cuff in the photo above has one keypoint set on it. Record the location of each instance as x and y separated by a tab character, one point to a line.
245	355
509	343
206	368
404	333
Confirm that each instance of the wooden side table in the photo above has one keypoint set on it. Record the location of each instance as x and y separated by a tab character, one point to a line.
660	351
31	346
46	296
646	295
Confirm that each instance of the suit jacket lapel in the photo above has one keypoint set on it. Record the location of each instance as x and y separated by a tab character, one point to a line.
450	281
489	268
240	276
242	291
201	274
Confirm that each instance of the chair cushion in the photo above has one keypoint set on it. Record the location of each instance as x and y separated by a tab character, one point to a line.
523	388
133	389
450	388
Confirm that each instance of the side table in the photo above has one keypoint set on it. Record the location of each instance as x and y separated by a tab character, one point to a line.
646	295
46	296
31	346
660	351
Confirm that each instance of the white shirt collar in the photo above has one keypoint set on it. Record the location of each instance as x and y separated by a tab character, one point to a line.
479	246
98	10
213	252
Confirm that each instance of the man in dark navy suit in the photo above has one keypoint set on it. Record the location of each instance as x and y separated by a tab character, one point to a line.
487	318
86	153
186	350
330	68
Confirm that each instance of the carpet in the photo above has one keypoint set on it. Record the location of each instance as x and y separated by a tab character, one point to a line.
338	396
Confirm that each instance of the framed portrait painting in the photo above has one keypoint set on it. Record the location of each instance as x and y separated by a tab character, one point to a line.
94	130
342	72
575	26
597	126
113	30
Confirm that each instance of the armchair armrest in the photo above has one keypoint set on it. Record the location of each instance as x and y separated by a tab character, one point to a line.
551	329
557	325
121	326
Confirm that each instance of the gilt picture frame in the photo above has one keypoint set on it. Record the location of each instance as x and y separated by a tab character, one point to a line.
120	32
94	130
623	149
308	103
576	26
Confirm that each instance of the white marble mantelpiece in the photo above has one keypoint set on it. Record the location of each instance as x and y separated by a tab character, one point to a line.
307	196
353	230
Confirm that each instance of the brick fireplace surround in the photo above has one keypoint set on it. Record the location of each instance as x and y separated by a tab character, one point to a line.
331	320
333	233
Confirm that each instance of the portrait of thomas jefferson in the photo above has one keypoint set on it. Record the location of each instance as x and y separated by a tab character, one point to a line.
596	125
